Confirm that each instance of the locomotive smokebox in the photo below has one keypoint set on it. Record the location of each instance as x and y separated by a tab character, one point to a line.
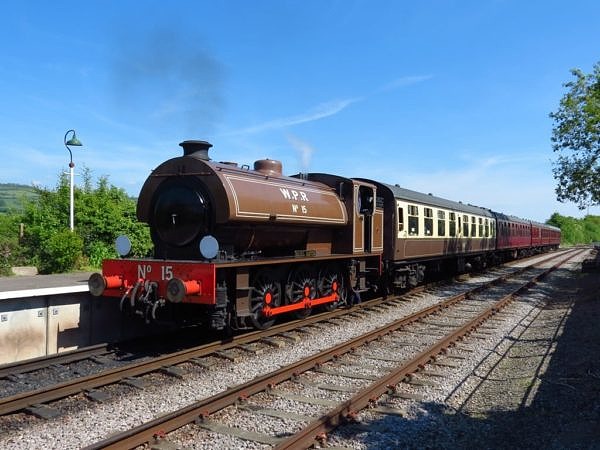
197	149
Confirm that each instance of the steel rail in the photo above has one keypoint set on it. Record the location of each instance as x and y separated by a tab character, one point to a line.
43	362
47	394
367	396
169	422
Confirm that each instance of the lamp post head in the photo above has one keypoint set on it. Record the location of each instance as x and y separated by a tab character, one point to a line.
73	141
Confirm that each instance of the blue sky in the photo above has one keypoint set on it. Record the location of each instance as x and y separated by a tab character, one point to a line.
447	97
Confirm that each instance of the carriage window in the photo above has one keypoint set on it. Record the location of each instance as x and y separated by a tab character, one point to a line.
441	223
465	226
452	224
400	219
480	227
428	212
493	228
473	227
487	228
413	220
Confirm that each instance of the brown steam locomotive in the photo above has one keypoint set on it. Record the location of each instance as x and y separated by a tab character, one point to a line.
235	247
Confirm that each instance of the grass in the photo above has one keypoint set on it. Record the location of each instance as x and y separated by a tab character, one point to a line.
11	195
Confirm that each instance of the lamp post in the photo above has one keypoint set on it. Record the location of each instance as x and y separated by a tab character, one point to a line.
76	142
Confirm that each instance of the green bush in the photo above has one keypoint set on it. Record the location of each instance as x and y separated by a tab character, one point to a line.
11	251
98	251
5	258
576	231
102	213
61	252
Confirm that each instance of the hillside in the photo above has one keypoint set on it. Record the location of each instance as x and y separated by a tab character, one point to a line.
11	193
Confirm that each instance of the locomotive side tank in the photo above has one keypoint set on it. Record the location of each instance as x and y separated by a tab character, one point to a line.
247	211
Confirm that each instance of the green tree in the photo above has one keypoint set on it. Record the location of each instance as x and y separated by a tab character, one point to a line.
576	231
576	138
101	214
61	252
104	213
11	252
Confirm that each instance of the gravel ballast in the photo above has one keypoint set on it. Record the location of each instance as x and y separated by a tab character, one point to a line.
535	383
458	411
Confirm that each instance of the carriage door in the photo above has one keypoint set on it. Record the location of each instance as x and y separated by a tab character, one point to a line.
364	201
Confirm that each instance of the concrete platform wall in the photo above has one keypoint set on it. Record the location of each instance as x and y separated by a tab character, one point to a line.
41	325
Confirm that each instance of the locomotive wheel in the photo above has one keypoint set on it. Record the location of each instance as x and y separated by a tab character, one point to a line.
301	283
331	280
266	292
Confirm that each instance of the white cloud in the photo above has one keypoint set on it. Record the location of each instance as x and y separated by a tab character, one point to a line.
404	81
326	109
321	111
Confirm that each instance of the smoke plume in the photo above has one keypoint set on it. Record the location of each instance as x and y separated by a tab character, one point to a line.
163	78
305	151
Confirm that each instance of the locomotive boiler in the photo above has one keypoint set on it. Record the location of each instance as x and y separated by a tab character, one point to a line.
249	212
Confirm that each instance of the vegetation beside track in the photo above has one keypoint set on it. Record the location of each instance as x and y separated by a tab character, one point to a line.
35	229
576	231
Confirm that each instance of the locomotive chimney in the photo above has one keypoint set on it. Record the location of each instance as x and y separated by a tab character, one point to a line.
197	149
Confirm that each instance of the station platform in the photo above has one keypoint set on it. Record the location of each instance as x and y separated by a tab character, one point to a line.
46	314
36	285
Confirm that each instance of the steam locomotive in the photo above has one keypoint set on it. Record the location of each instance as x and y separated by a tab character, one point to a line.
236	247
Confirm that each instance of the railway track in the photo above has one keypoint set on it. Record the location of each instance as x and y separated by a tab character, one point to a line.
43	362
34	401
103	349
440	326
37	401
